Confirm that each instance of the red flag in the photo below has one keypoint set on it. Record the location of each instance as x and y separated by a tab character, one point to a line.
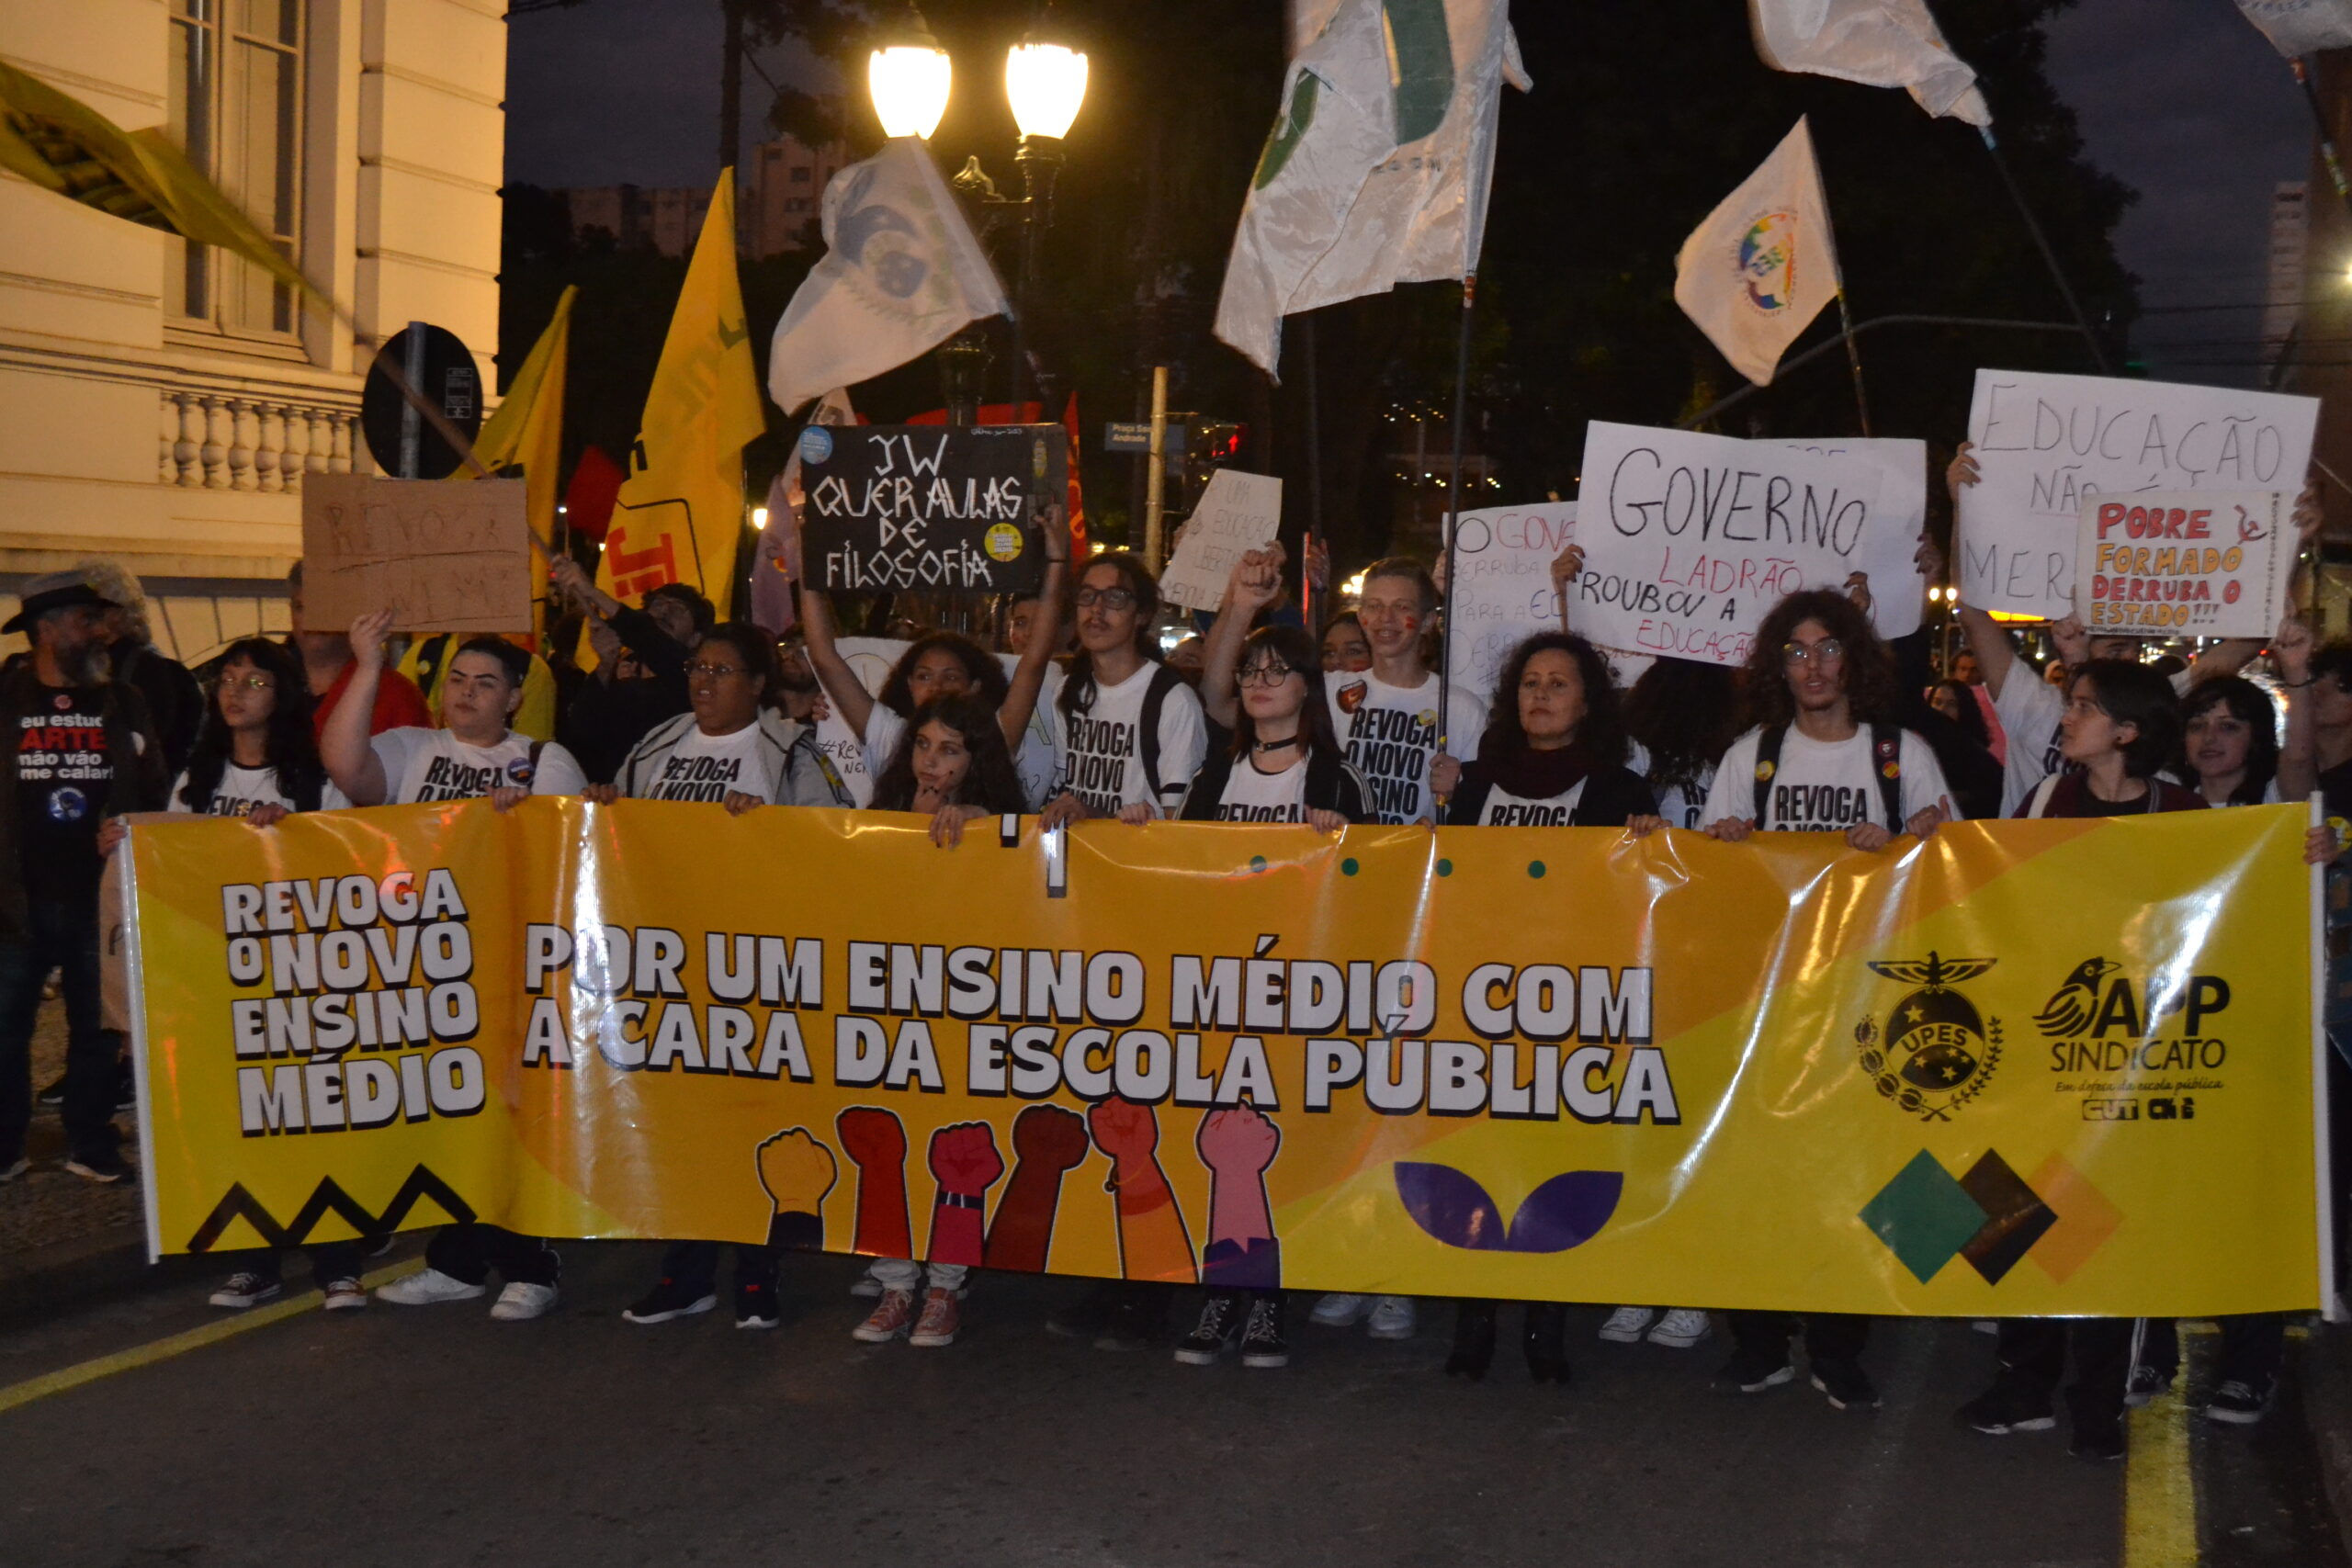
990	414
588	500
1077	491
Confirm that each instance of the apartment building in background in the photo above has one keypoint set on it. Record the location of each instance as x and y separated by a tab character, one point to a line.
782	193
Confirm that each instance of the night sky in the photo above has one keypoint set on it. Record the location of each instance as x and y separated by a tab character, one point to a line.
2179	99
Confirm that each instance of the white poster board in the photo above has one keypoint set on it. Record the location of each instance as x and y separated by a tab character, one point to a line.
2184	563
1239	512
1689	540
2044	444
1502	586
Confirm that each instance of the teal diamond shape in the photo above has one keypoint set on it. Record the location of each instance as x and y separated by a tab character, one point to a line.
1924	1216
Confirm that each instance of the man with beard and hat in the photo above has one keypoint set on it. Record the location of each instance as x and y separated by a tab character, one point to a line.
79	749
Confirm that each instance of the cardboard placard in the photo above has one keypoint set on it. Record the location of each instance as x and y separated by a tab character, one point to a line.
1239	512
2184	563
442	556
896	508
2045	445
1501	588
1689	540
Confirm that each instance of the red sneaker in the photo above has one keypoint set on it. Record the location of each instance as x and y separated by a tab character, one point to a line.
940	1318
888	1319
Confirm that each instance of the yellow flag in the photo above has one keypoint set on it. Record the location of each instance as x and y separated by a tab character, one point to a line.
61	144
529	426
680	515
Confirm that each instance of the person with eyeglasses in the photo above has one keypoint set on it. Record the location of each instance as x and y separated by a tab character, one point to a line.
1826	758
256	757
731	749
1126	727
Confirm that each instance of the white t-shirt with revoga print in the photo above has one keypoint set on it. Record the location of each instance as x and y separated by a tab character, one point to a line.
434	764
1822	786
1390	734
1101	750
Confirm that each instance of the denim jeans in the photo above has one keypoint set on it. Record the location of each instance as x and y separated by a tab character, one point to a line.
58	935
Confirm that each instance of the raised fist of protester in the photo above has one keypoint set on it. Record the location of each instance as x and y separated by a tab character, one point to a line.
1317	564
571	580
1256	583
1054	519
1238	1142
1062	810
1962	470
506	797
368	633
1127	1133
1858	589
2290	649
2073	642
1565	567
870	1136
964	1160
1445	775
947	824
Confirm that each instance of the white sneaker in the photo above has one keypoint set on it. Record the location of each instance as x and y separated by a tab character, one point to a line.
428	1287
1339	1311
519	1302
1627	1324
1681	1328
1392	1318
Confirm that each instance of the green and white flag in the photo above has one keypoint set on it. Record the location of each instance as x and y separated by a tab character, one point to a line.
1378	167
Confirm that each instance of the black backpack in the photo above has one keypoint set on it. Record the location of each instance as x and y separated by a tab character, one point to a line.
1887	762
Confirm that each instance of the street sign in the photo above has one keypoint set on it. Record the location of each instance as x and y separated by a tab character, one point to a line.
438	364
1120	437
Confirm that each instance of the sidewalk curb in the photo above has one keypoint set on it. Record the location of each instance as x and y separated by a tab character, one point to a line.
87	1271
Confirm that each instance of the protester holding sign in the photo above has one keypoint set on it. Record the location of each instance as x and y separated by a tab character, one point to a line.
1126	726
1824	759
255	756
477	755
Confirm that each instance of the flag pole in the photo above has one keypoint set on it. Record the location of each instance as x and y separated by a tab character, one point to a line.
1854	361
1314	474
2049	257
1453	523
2326	136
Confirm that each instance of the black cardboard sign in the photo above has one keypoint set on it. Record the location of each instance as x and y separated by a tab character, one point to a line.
929	508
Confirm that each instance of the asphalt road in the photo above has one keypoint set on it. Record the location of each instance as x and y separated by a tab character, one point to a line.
433	1436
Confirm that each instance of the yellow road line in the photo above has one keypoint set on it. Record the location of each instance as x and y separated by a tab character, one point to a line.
180	1344
2159	1495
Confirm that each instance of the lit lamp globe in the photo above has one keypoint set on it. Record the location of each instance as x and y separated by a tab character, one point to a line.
909	82
1045	82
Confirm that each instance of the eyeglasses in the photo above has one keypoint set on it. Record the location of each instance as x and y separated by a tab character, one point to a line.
700	671
251	683
1828	650
1266	674
1109	598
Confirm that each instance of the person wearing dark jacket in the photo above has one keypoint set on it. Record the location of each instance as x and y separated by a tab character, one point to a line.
81	750
175	700
618	704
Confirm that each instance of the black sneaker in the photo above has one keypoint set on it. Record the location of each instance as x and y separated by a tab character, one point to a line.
2242	1403
2099	1439
52	1094
104	1166
1847	1386
2006	1407
246	1289
2146	1383
755	1305
1220	1315
668	1300
1751	1371
1262	1344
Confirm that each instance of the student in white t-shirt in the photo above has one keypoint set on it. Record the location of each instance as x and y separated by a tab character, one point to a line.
476	756
1126	729
1285	764
1386	717
937	663
1824	759
729	748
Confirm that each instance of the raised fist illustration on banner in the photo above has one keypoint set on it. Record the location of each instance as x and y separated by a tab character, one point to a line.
964	1162
1237	1145
796	1171
876	1143
1153	1242
1048	1142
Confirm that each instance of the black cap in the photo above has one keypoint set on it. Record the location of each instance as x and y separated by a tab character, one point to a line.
57	591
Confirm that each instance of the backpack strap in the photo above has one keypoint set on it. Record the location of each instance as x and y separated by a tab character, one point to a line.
532	757
1154	697
1768	763
1323	773
2037	803
1886	761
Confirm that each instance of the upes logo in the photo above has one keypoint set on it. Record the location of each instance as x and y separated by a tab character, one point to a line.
1939	1052
1768	262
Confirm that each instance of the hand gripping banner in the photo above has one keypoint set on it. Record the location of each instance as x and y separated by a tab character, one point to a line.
2025	1068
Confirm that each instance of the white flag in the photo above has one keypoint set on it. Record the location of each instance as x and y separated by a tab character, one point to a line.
902	275
2297	28
1880	44
1378	169
1758	271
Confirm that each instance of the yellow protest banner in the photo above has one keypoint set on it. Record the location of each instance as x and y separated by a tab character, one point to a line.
2025	1068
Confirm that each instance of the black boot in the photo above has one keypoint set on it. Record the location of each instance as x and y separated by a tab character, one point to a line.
1474	1339
1546	1339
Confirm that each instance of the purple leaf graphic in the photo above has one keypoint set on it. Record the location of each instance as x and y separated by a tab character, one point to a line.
1451	1207
1565	1212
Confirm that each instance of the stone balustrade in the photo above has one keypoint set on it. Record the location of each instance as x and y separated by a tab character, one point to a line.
223	441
